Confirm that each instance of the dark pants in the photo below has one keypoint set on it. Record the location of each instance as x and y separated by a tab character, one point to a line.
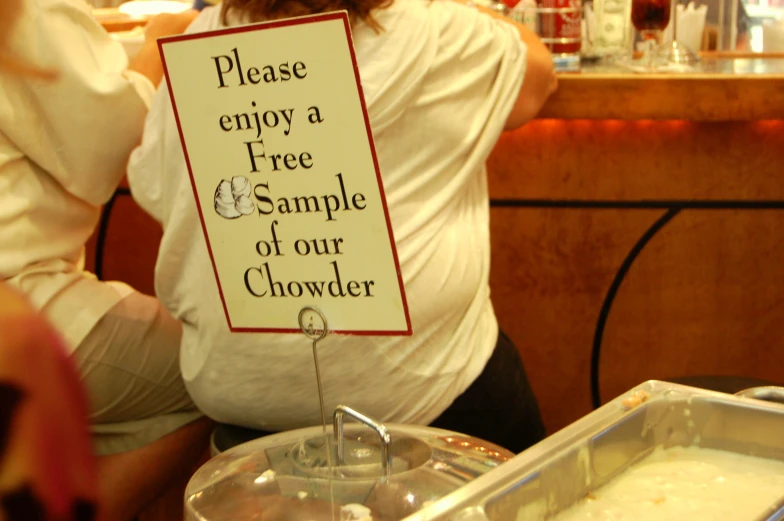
498	407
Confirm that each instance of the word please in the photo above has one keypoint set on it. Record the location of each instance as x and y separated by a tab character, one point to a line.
253	76
259	283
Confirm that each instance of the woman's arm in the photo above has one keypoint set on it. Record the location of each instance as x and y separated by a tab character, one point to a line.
81	128
539	81
148	60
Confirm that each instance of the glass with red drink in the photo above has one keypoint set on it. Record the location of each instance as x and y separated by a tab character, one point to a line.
650	17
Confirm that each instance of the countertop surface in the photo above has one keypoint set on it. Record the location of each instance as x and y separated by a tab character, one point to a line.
710	66
739	87
721	87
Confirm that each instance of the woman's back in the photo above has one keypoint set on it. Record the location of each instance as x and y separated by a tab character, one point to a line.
439	82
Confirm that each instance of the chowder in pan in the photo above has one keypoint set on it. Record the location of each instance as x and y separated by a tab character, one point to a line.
686	483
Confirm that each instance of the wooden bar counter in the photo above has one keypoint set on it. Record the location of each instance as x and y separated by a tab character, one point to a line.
638	231
639	224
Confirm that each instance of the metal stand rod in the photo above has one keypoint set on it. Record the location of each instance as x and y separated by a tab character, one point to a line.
315	334
320	389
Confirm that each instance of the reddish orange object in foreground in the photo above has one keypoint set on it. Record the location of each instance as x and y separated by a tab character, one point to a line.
47	471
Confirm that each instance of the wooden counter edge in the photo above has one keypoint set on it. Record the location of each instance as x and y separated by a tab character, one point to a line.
667	97
113	20
705	96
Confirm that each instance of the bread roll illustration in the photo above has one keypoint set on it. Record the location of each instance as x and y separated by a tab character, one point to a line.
224	201
240	186
244	205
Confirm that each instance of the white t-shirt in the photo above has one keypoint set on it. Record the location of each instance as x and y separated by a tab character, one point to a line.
439	83
64	147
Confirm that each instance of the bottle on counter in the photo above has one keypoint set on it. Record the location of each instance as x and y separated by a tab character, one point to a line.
560	27
526	12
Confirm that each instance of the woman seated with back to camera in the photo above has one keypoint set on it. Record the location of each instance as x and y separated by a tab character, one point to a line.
441	81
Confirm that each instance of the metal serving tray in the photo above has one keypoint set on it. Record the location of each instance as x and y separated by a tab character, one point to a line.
562	469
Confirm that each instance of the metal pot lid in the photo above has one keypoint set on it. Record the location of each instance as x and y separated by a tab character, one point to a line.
360	472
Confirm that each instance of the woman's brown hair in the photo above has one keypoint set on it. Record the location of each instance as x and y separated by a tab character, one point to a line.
261	10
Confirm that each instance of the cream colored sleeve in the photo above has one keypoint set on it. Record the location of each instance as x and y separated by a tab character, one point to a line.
158	155
81	128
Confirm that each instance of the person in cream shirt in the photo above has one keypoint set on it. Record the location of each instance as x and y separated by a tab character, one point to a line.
442	80
71	110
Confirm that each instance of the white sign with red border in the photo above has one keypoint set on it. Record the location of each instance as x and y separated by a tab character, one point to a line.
276	136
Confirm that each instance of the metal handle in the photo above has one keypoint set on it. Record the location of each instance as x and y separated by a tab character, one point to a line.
768	393
381	430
